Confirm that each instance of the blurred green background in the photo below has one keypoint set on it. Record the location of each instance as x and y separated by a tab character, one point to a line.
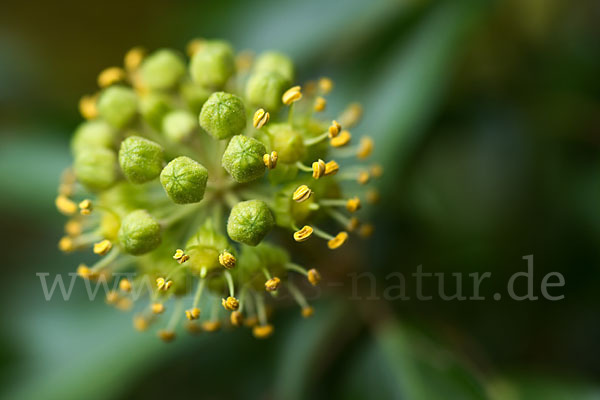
486	117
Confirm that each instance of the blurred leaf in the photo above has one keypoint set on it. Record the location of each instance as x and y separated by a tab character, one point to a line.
524	386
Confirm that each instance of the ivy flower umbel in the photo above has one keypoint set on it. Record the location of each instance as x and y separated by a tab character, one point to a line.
182	170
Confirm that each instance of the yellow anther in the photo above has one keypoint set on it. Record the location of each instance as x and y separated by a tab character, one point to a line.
341	140
166	335
331	168
261	117
66	189
133	58
291	95
325	85
320	104
353	204
270	160
112	297
124	304
140	323
244	60
307	311
66	244
250	321
302	193
85	207
309	88
227	260
366	230
163	284
125	285
236	318
338	240
353	224
272	284
85	272
262	331
87	106
110	76
73	228
157	308
334	129
65	205
193	327
303	234
373	196
102	247
318	168
314	277
376	170
351	115
363	177
180	256
365	148
211	326
193	46
230	304
192	313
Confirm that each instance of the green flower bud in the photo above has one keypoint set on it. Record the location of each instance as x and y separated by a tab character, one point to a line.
287	142
179	125
264	89
194	96
91	134
154	107
243	159
213	64
96	168
184	180
223	115
139	233
163	69
141	159
249	222
272	61
118	106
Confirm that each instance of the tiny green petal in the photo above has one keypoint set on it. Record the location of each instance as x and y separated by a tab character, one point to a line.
184	180
249	222
223	115
243	158
139	233
118	106
141	159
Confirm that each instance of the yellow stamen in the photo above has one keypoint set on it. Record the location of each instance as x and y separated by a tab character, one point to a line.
85	207
353	204
65	205
262	331
192	313
236	318
112	297
363	177
125	285
302	193
166	335
66	189
270	160
230	304
325	85
320	104
140	323
261	117
351	115
377	170
110	76
85	272
103	247
87	106
124	304
163	284
353	224
373	196
291	95
180	256
193	46
341	140
338	240
73	228
66	244
307	311
133	58
318	168
227	260
158	308
365	148
334	129
251	321
211	326
314	277
331	168
366	230
303	234
272	284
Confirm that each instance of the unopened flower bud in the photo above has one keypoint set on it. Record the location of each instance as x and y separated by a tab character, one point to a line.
141	159
194	96
223	115
91	134
96	168
243	158
249	222
184	180
179	125
213	63
139	233
118	106
264	89
154	107
272	61
162	70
